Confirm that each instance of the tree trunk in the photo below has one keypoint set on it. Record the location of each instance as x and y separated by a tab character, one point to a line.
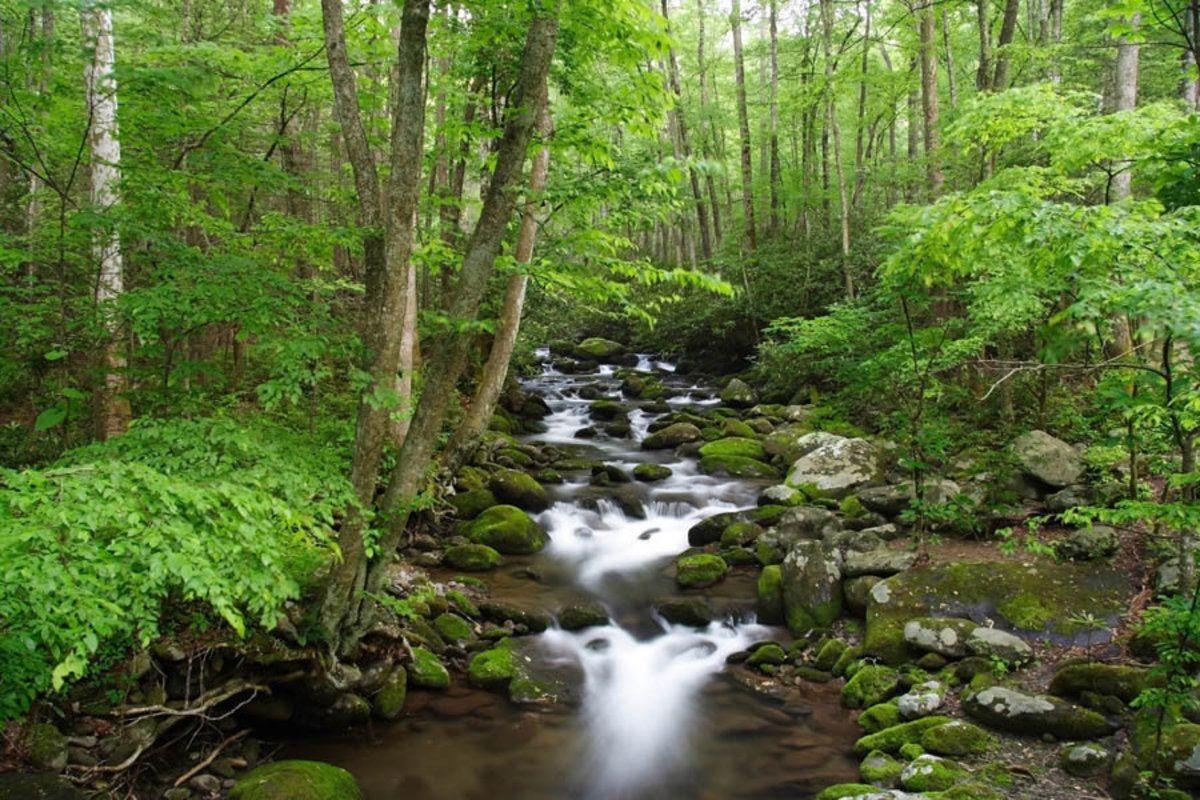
415	457
1008	28
831	120
387	246
950	83
1125	92
739	72
983	75
1191	55
707	140
491	383
685	147
112	408
929	97
776	176
860	147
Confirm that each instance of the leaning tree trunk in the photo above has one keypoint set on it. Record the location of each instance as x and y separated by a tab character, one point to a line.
112	408
416	456
491	384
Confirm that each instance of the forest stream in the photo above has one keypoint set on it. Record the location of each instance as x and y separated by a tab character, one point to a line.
650	711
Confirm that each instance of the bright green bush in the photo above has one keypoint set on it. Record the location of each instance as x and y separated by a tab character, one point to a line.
94	548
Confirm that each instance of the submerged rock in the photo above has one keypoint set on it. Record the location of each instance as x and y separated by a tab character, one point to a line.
296	780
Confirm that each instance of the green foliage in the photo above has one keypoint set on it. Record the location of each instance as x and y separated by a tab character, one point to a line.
94	546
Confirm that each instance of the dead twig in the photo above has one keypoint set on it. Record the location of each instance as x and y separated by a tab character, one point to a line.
191	773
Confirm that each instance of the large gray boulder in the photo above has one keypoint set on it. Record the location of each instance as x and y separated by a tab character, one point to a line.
837	468
671	436
877	562
739	394
946	636
1051	461
812	586
1010	710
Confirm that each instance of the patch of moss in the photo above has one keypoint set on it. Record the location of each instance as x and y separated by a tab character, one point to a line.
890	740
932	774
493	669
472	557
843	790
472	503
957	738
870	685
771	654
880	769
699	571
737	467
734	446
427	671
453	628
879	717
296	780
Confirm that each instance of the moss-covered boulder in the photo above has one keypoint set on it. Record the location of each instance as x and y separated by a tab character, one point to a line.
958	738
828	653
1088	544
691	611
495	668
700	570
579	616
770	595
921	700
596	348
837	468
710	530
1175	756
734	446
1084	759
1006	709
650	473
769	654
890	740
472	503
517	488
736	428
946	637
427	671
845	791
388	702
296	780
880	769
929	773
506	529
47	747
812	587
522	620
35	786
739	394
671	436
453	628
1116	680
1062	602
471	557
872	684
879	717
736	467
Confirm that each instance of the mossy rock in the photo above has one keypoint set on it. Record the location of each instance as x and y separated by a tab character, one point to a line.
427	671
514	487
738	429
700	570
740	533
847	658
598	348
388	702
472	557
579	616
771	654
34	786
910	751
470	504
1007	709
841	791
736	467
1039	600
828	654
740	447
453	628
650	473
608	410
1176	756
709	530
495	668
296	780
929	773
971	790
1084	759
812	587
890	740
880	769
671	436
470	479
957	738
513	456
47	747
880	716
770	595
872	684
498	612
506	529
1074	680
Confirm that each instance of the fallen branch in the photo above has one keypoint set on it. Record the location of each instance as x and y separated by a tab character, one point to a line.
185	777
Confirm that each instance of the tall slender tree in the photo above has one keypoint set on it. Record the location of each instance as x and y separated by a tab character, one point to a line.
739	72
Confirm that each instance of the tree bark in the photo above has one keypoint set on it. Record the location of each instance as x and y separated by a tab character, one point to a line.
387	245
112	407
929	96
1008	29
739	72
707	139
831	119
416	456
495	371
685	147
1125	92
776	177
983	75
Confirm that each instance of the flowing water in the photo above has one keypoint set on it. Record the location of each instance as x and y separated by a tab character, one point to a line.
657	714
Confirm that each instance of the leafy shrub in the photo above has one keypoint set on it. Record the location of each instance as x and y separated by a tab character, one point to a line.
94	547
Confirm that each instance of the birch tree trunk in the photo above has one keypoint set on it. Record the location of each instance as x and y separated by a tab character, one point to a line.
112	408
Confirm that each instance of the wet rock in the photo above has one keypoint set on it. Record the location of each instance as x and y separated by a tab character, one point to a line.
872	684
812	587
1088	544
427	671
388	702
1049	460
519	489
596	348
837	469
693	612
770	595
699	571
453	628
671	436
472	557
348	710
1007	709
506	529
296	780
650	473
738	394
606	410
608	474
1085	759
1075	680
709	530
769	654
877	562
493	669
856	592
737	467
525	620
582	615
